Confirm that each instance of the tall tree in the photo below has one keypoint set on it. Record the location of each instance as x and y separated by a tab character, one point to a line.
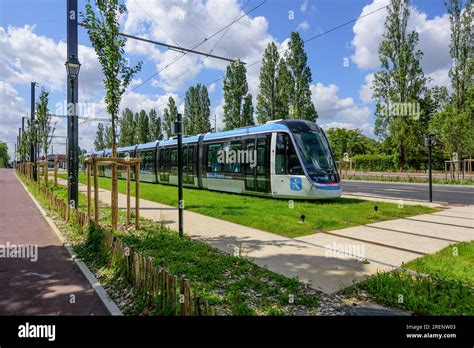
109	137
169	116
400	83
456	122
247	111
103	30
235	91
155	125
197	110
300	104
285	87
190	115
4	156
127	128
143	129
269	100
205	111
44	128
99	142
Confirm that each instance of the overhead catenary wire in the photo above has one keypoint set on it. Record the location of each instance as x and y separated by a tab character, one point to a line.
189	50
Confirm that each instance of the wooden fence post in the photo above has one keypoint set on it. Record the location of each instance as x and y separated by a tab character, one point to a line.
55	173
88	166
128	194
114	196
96	191
137	194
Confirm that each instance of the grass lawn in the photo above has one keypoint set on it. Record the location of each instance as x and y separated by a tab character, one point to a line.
232	285
449	292
273	215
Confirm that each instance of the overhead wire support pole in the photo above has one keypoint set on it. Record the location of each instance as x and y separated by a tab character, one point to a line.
178	48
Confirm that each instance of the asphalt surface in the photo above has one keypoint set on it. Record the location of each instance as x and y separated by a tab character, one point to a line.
41	280
450	194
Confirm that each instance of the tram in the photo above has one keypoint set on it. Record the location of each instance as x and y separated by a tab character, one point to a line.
285	159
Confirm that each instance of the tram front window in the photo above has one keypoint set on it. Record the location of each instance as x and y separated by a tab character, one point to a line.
316	156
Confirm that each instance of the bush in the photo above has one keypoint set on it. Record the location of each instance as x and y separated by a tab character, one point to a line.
373	162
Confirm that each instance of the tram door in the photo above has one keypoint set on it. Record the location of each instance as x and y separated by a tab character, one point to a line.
257	170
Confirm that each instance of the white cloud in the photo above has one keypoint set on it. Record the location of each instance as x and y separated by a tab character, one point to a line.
304	25
365	91
333	109
434	38
188	23
46	65
304	6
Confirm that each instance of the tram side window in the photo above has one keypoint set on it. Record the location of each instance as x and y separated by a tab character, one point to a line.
148	164
286	162
234	151
174	161
191	159
212	155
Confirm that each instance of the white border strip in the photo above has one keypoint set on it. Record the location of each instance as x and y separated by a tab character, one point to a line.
99	290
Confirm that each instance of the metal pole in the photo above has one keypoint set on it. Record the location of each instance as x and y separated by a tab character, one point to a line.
429	169
72	94
19	141
180	172
32	123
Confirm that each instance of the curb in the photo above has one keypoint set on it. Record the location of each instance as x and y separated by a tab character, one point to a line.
395	200
109	304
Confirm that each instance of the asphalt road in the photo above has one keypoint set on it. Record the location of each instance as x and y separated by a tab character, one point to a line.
441	193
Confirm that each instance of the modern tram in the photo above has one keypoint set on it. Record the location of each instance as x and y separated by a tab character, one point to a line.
285	159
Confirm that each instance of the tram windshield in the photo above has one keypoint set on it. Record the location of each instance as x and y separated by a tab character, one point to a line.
315	153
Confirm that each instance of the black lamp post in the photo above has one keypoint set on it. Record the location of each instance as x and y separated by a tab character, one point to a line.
179	130
72	66
429	141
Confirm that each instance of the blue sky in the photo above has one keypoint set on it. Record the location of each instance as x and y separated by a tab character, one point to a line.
33	36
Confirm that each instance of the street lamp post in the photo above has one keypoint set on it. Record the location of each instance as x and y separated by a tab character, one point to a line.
178	130
429	141
72	66
32	132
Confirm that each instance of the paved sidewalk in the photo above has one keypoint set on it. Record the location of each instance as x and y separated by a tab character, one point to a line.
43	287
385	244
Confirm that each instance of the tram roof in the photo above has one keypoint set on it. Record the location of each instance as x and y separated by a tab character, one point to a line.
126	148
247	130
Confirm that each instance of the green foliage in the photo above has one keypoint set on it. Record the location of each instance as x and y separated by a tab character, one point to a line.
155	125
44	129
350	141
4	156
444	285
197	110
238	111
142	132
270	102
374	162
400	82
99	142
169	116
103	29
127	128
299	95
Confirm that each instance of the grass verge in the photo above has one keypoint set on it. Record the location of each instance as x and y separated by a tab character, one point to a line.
449	290
274	215
232	285
410	179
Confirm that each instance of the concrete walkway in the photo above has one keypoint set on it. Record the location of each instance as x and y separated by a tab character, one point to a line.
315	259
51	285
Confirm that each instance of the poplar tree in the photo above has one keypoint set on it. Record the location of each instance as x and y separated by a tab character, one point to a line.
99	142
155	125
169	116
143	129
269	100
300	104
127	128
400	81
235	91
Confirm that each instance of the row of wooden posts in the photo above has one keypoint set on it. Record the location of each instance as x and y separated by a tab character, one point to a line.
164	293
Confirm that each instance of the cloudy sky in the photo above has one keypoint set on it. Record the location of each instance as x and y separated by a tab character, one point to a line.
33	48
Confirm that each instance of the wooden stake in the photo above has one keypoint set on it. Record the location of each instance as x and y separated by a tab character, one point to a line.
96	191
114	196
128	194
137	194
88	166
